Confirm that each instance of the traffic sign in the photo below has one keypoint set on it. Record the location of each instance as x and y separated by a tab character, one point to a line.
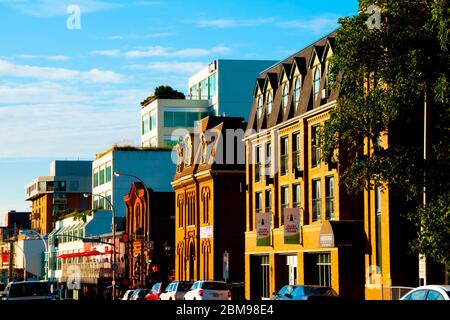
114	267
148	245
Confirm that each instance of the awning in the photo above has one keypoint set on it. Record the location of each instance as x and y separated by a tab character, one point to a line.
83	254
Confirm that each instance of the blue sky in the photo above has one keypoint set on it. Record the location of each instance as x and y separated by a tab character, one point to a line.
69	94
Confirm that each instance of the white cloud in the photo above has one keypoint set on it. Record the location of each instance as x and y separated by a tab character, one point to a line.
8	69
316	25
158	51
142	36
171	67
107	53
231	23
51	58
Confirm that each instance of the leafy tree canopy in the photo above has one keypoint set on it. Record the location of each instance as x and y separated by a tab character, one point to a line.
163	92
386	76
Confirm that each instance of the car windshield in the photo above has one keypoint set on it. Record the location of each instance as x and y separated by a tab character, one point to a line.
284	290
214	286
29	290
184	286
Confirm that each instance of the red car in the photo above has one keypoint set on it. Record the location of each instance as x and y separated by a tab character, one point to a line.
156	290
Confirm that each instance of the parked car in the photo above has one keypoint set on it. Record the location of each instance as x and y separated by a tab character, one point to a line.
127	295
156	290
430	292
176	290
139	294
27	290
304	292
208	290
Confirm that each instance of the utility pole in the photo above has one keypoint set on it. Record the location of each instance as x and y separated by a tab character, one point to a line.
422	258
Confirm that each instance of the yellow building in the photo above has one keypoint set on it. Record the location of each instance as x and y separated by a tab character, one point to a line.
286	175
210	202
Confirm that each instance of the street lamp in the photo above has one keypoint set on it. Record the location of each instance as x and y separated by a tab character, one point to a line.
27	233
113	227
120	174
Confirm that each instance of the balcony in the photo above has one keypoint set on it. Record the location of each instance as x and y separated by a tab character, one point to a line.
315	156
329	210
316	210
197	97
284	164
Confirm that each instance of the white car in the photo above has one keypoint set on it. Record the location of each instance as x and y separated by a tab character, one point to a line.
208	290
431	292
127	295
176	290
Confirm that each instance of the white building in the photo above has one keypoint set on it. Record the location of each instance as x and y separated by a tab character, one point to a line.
154	167
222	87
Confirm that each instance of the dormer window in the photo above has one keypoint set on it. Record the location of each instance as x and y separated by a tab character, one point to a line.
285	95
260	106
297	88
316	81
269	102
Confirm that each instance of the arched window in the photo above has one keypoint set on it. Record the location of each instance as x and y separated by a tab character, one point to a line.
260	106
316	82
269	102
206	205
285	95
297	91
206	261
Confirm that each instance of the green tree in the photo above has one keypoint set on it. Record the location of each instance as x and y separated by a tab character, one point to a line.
163	92
386	76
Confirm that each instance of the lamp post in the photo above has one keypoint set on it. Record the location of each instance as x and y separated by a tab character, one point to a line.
113	227
27	233
120	174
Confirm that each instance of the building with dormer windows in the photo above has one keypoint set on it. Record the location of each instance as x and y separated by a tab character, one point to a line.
209	189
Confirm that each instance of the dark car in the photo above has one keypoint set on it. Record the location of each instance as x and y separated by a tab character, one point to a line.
27	290
156	290
304	292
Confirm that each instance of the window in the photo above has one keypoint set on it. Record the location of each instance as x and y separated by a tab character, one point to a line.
417	295
316	203
108	174
434	295
102	176
145	124
316	81
269	102
268	156
378	238
285	96
107	203
296	150
324	269
297	92
259	107
284	155
329	197
152	120
268	199
258	163
204	89
284	201
296	196
212	85
182	119
258	202
315	146
206	205
101	203
194	92
205	262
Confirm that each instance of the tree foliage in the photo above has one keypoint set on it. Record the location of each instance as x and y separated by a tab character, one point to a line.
163	92
386	76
